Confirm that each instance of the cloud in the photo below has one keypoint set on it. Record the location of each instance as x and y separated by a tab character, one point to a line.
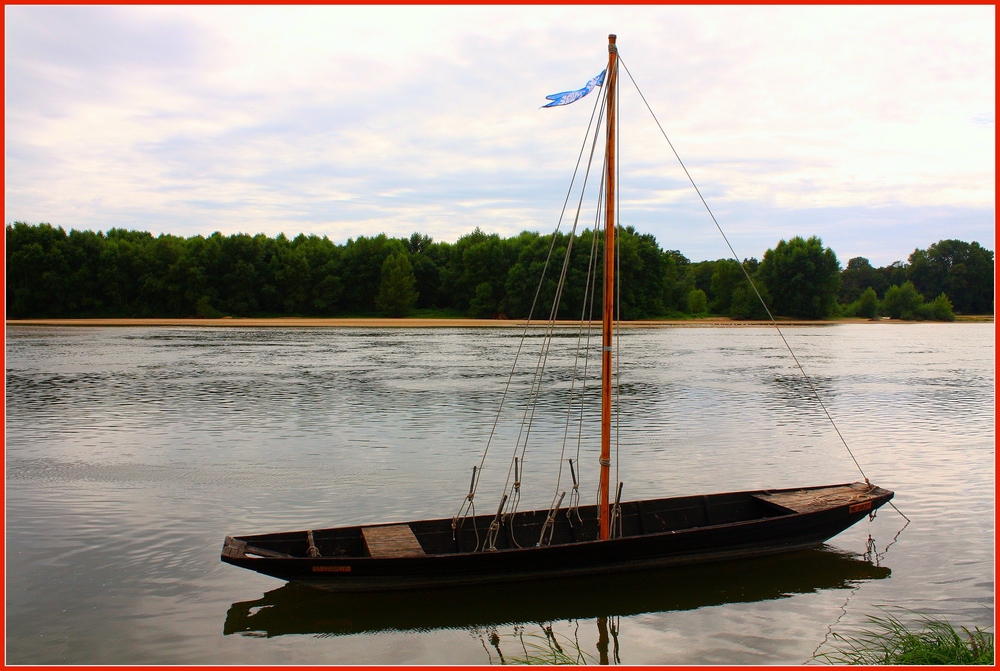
81	54
346	121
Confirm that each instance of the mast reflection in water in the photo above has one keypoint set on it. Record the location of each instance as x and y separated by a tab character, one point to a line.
300	609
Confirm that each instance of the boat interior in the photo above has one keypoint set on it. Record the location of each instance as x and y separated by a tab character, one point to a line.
524	529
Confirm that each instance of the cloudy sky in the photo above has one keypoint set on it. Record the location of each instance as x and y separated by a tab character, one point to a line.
872	127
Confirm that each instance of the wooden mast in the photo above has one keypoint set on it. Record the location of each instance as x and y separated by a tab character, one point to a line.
611	81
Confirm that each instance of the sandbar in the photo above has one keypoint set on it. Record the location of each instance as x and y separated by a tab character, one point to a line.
417	322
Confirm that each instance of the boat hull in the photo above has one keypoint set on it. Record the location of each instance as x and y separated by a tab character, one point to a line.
767	522
293	608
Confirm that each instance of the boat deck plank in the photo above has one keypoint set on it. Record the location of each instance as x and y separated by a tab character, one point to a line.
812	500
395	540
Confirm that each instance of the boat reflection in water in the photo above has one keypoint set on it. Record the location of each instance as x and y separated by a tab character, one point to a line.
300	609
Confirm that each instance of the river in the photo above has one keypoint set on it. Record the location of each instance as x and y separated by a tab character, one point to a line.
132	452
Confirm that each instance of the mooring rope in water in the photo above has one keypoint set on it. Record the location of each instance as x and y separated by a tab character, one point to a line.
871	552
900	514
747	274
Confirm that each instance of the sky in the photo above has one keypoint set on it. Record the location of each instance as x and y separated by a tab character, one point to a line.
871	127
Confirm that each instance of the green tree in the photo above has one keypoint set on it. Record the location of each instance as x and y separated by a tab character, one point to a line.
120	269
82	253
701	274
734	297
902	302
963	270
746	304
322	287
363	259
396	293
133	273
726	275
484	302
645	274
328	289
428	276
858	276
678	282
894	273
866	305
475	259
36	269
418	243
802	277
940	309
697	302
292	275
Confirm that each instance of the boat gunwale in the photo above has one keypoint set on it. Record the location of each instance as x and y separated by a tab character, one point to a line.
882	493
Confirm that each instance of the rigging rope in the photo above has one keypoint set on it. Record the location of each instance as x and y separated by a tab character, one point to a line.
590	290
535	389
590	319
747	274
575	492
467	502
553	313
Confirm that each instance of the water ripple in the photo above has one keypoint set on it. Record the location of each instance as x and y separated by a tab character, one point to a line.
132	452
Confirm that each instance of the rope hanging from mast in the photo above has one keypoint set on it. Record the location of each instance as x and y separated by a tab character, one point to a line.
511	497
589	288
610	292
466	506
527	420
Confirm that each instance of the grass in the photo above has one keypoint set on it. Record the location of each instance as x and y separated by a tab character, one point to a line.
928	641
542	649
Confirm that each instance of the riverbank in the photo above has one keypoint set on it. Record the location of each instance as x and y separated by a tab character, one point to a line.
384	322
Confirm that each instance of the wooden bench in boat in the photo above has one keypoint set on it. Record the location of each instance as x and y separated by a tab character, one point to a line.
813	500
396	540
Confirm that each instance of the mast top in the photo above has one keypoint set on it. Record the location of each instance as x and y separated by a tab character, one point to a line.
611	43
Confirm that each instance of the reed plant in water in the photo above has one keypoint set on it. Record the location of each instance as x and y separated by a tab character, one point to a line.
547	648
887	640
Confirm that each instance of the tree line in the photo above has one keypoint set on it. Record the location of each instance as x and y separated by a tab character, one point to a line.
124	273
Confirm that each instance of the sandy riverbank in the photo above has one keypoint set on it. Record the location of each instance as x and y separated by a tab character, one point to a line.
380	322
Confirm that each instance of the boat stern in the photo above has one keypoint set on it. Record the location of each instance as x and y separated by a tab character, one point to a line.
233	548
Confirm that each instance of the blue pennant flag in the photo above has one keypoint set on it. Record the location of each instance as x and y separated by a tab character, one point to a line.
567	97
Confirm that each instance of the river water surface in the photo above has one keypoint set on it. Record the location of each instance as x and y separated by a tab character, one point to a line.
132	452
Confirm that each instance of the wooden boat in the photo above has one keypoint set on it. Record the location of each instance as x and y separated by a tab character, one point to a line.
576	540
654	533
